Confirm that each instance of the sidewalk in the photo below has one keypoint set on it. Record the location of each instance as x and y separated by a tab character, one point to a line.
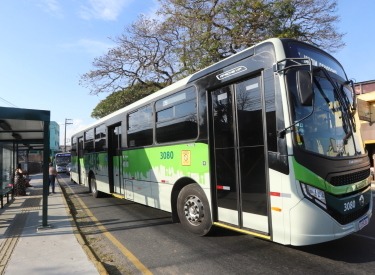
28	248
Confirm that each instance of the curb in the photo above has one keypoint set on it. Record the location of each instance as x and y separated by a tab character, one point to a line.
81	238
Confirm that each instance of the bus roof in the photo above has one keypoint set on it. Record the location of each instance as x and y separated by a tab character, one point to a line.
189	79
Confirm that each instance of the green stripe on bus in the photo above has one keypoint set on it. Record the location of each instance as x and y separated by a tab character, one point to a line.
184	160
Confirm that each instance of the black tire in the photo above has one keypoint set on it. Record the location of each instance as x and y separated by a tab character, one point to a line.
194	210
93	188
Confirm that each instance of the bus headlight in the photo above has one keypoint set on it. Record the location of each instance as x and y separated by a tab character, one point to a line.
314	194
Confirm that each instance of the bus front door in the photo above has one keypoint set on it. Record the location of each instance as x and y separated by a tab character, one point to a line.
80	163
239	159
114	159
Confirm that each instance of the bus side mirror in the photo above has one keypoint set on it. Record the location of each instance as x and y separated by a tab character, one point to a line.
304	87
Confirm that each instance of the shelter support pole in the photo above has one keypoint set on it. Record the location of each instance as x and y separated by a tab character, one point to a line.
45	174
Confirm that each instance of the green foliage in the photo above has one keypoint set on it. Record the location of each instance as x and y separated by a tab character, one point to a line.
125	97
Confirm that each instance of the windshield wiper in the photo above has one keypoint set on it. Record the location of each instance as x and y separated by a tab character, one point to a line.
350	107
346	98
323	94
343	106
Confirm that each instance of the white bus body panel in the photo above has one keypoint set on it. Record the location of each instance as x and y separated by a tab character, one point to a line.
312	225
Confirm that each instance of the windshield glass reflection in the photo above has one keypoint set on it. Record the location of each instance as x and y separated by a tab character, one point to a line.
326	127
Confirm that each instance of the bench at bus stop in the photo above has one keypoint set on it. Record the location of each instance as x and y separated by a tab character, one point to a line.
5	192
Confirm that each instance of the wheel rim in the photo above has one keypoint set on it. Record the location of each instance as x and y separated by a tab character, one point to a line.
194	210
93	185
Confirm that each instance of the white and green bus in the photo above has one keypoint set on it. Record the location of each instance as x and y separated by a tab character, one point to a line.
263	142
61	161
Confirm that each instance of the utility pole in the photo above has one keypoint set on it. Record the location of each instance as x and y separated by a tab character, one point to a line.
67	121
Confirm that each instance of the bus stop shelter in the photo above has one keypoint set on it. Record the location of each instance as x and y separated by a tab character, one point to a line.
23	129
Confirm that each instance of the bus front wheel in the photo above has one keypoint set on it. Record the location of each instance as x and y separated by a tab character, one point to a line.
193	210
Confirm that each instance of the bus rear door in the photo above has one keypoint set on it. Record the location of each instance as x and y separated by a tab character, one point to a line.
115	159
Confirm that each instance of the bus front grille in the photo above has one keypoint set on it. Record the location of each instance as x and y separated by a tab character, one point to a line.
349	178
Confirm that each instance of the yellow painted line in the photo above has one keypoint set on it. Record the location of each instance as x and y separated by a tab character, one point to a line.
126	252
243	231
118	196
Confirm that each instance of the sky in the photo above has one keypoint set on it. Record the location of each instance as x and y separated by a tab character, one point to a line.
47	45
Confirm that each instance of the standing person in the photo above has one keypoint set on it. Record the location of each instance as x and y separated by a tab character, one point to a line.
52	176
19	182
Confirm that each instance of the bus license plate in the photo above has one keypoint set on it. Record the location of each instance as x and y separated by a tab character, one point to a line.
362	223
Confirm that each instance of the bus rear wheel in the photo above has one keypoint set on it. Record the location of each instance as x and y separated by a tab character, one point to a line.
193	210
94	190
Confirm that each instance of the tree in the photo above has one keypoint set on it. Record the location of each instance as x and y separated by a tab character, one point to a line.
216	29
192	34
125	97
144	54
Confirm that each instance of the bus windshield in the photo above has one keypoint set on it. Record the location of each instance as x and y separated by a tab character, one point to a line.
317	57
326	126
62	159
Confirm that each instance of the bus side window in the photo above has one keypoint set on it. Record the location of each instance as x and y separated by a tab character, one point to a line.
140	127
89	141
100	137
176	117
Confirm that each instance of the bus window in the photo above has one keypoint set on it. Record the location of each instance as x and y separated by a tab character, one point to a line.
140	127
176	117
80	147
100	137
89	141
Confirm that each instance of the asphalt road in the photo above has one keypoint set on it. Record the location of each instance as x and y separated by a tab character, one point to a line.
133	239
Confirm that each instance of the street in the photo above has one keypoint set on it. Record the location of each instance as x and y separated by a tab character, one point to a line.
132	239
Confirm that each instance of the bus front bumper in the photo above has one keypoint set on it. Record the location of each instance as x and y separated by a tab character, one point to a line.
309	224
